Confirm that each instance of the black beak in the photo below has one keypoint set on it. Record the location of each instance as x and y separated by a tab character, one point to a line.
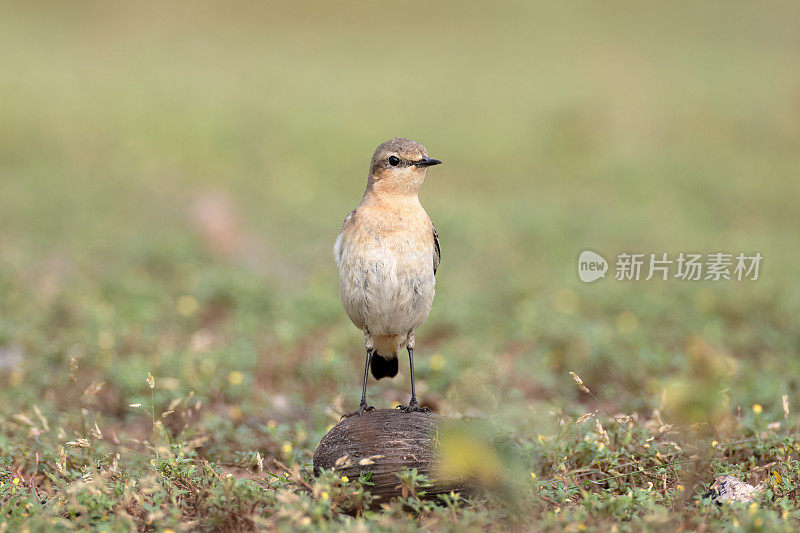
427	162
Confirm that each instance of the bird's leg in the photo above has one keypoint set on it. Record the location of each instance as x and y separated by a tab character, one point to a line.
363	407
413	405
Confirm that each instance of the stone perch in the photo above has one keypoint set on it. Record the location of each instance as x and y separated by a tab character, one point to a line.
383	442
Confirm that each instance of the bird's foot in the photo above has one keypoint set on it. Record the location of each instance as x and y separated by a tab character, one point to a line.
413	407
363	408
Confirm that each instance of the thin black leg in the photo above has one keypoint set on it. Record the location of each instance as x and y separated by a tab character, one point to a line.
363	407
413	405
413	402
363	403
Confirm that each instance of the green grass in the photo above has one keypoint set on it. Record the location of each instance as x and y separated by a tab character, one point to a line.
171	183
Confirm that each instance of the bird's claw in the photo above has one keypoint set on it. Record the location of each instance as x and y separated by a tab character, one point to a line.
358	412
413	408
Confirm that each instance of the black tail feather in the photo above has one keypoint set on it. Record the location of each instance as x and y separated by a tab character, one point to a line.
382	367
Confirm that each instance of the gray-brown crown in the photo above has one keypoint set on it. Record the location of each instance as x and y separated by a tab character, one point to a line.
407	149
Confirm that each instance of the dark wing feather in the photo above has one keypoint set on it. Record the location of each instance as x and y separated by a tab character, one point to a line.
437	252
348	217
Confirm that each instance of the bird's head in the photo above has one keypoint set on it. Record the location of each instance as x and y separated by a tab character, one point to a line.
399	166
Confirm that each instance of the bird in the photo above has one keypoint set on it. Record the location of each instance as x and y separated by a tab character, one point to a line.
387	254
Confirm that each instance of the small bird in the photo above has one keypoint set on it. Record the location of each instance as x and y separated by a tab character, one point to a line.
388	254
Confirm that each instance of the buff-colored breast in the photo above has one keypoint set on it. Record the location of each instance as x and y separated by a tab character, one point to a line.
385	257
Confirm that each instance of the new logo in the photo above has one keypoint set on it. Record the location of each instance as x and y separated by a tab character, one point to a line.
591	266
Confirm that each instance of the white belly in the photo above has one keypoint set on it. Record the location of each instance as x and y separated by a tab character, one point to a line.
388	292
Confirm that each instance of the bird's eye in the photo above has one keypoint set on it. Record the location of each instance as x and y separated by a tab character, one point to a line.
394	160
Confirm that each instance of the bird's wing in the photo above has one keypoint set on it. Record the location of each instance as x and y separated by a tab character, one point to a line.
337	247
437	252
348	218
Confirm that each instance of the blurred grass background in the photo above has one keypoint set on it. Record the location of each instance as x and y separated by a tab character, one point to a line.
172	178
